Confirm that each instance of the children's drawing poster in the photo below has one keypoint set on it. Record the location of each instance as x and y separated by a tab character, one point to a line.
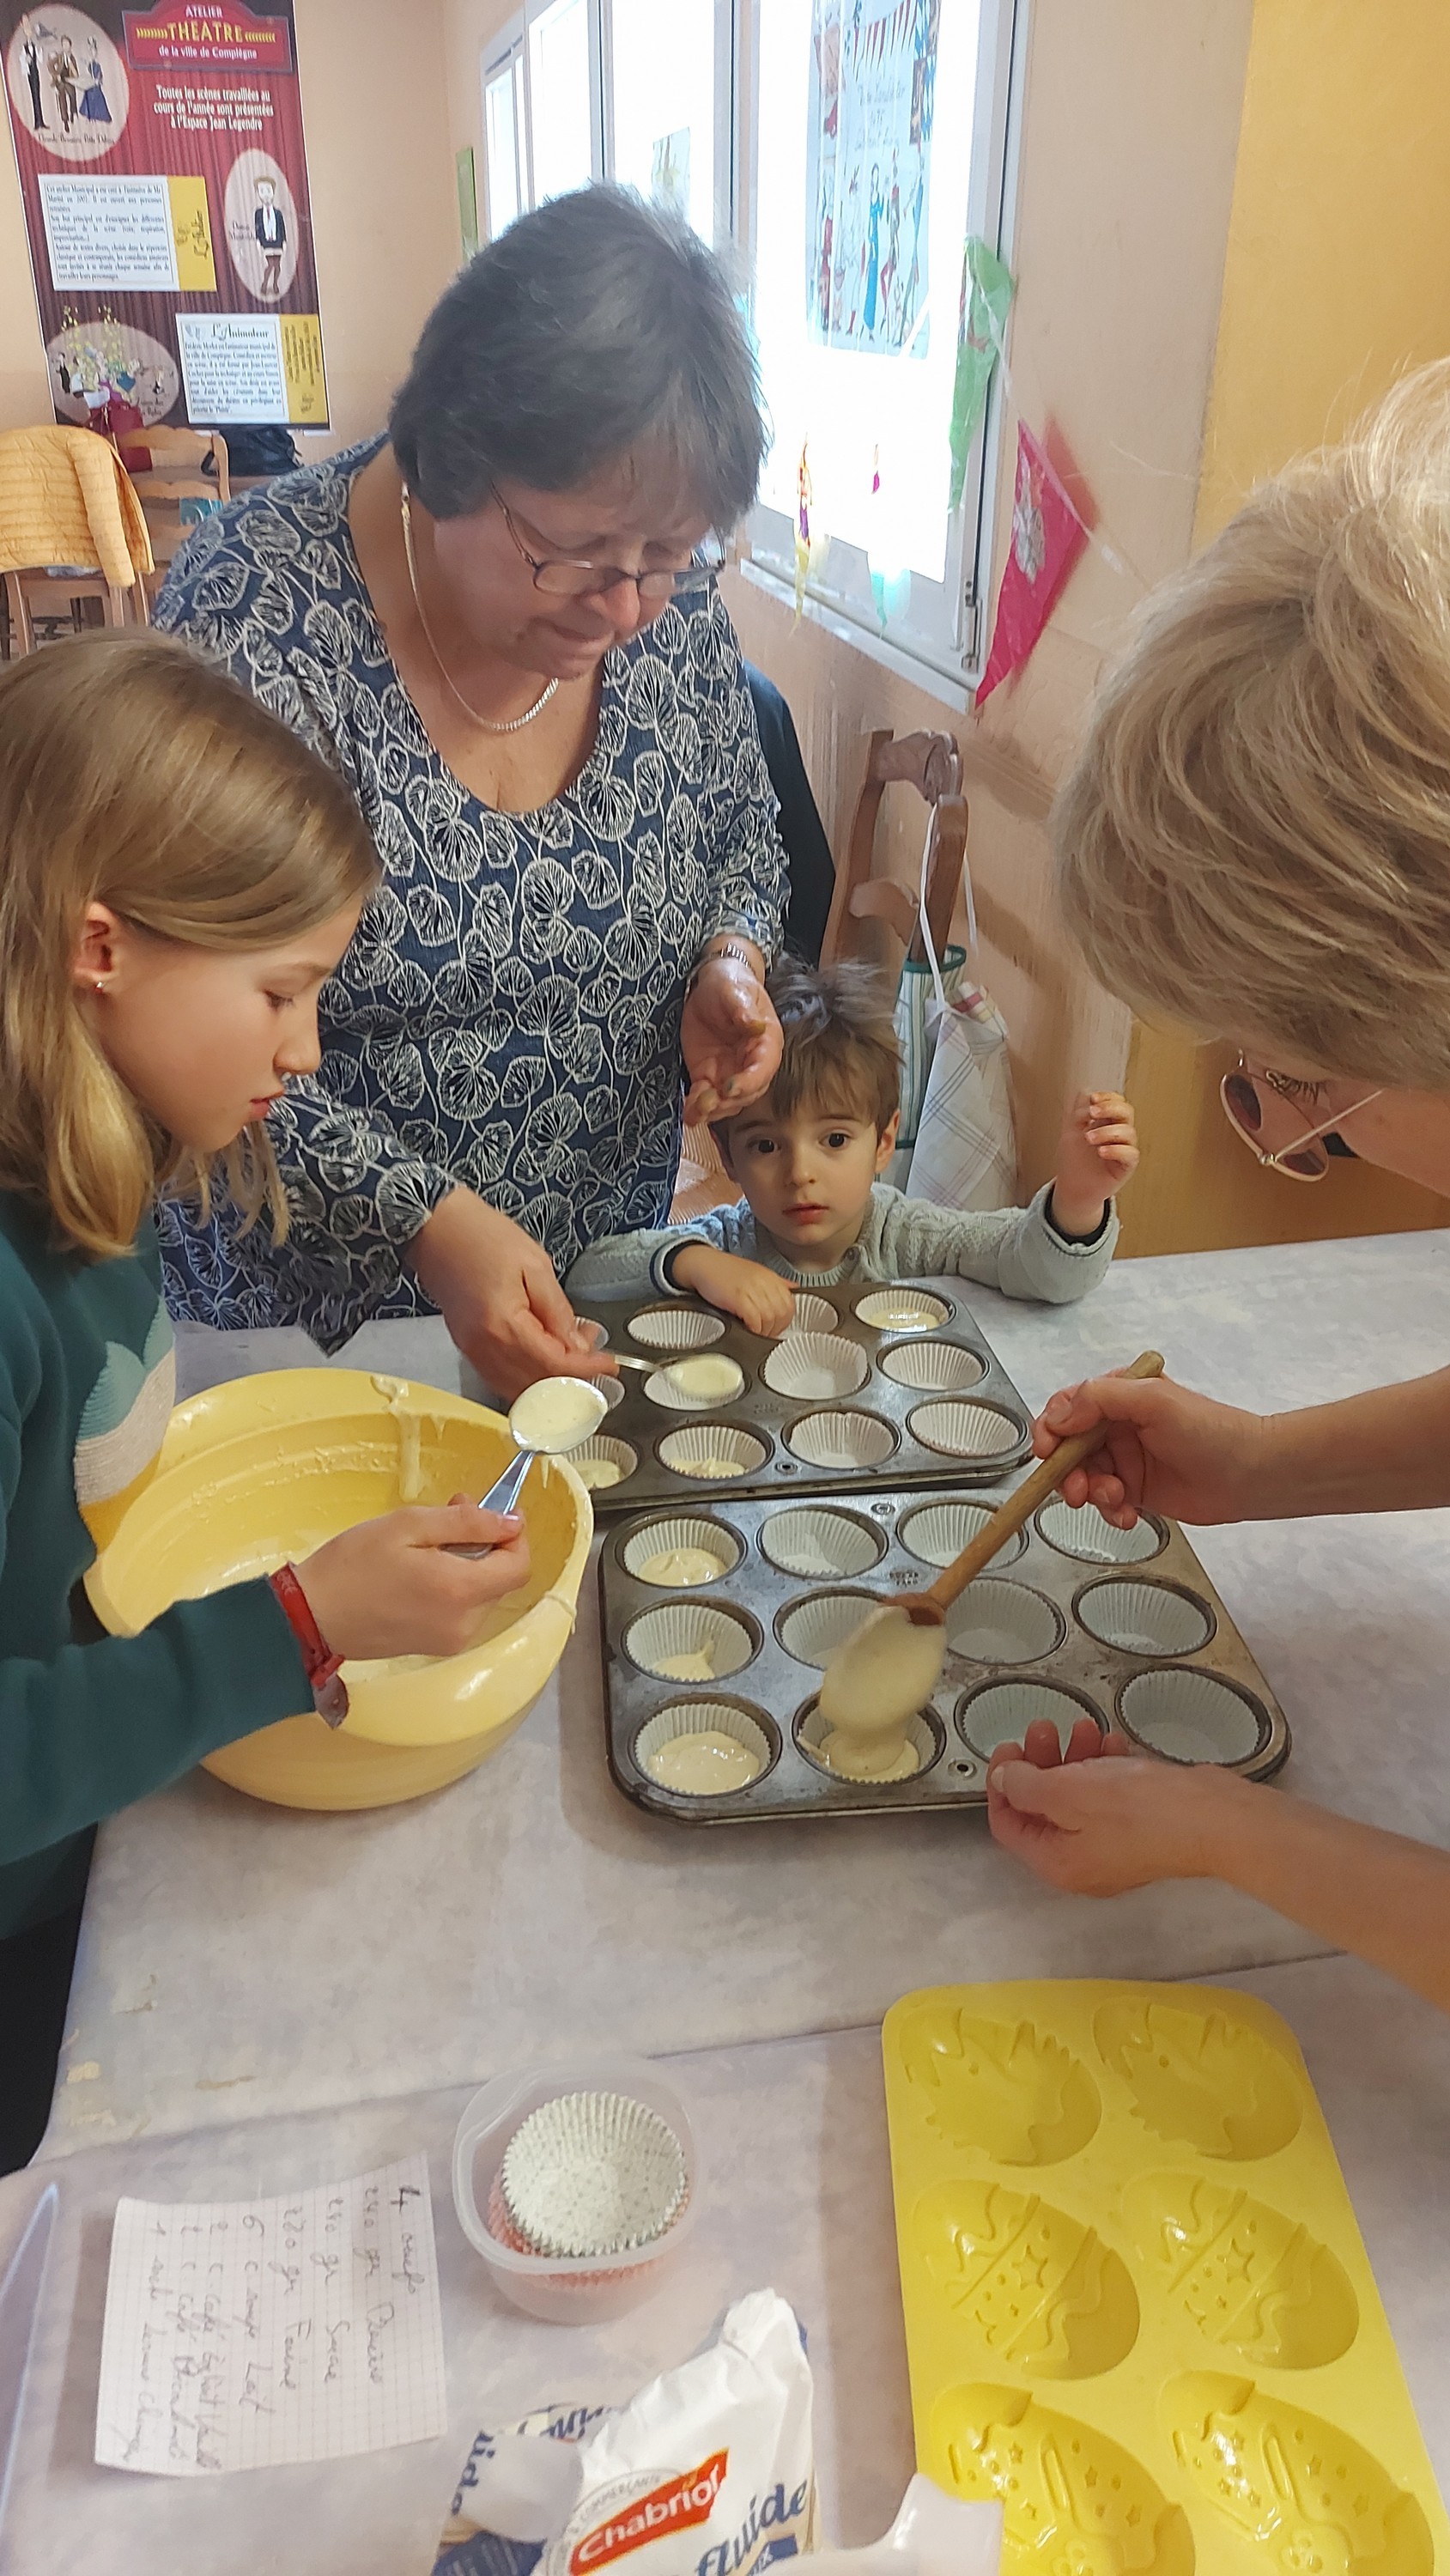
164	175
868	172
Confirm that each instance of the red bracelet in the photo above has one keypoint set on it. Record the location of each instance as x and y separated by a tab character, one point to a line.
322	1666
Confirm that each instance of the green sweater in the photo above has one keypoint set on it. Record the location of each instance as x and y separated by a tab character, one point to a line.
87	1376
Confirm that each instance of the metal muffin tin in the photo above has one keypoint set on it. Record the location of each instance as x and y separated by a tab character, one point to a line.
772	1418
1046	1592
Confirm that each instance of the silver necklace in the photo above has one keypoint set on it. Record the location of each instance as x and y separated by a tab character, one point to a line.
515	724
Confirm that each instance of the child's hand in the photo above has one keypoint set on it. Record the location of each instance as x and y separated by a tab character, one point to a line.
1097	1153
764	1302
388	1588
1099	1819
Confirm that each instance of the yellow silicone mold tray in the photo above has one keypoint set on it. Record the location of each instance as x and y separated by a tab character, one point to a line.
1138	2310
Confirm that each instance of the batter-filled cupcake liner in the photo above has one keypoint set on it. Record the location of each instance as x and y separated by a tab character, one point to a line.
1003	1623
901	1310
921	1735
689	1641
675	1328
697	1722
1144	1618
815	1542
938	1368
684	1537
846	1441
813	1314
964	1430
602	1452
663	1388
1001	1712
938	1532
592	2173
1086	1535
816	1367
717	1449
811	1630
1192	1717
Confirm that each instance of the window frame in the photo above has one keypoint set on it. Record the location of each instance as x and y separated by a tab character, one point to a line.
949	672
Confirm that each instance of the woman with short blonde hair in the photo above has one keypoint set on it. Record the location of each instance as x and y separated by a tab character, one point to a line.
1255	841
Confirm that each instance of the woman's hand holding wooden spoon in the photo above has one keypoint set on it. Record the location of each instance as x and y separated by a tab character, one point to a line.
1163	1450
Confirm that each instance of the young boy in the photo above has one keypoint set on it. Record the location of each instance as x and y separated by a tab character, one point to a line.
808	1159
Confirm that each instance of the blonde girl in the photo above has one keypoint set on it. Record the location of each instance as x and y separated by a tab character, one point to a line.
178	875
1256	841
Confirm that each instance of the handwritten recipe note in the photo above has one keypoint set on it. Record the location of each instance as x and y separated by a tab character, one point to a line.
242	2334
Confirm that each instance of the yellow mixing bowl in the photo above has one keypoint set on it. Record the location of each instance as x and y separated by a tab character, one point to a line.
266	1468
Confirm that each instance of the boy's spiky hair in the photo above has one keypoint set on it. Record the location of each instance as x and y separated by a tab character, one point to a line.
841	1055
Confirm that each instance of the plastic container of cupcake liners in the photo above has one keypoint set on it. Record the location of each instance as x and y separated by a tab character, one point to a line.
569	2289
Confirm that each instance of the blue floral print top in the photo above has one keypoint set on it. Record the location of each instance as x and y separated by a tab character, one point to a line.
508	1015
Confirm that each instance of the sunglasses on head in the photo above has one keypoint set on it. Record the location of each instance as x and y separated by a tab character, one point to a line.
1262	1109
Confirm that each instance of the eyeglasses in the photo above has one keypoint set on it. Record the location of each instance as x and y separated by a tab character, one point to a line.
562	578
1259	1106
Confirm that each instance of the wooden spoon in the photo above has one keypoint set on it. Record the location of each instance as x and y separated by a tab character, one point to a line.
874	1681
929	1608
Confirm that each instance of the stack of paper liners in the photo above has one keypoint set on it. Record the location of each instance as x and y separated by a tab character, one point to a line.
1137	2304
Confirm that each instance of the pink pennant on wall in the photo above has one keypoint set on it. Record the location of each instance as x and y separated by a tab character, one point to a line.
1047	538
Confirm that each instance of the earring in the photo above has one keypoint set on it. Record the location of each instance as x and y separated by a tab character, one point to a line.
99	985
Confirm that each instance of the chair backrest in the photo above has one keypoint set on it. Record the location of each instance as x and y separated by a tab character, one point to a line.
174	464
932	764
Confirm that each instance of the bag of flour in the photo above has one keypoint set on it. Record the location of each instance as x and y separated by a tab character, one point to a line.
706	2472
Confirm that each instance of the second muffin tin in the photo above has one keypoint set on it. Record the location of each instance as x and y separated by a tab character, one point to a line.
848	1399
1073	1619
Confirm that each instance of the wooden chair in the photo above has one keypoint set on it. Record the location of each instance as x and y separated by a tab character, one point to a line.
174	473
49	595
932	764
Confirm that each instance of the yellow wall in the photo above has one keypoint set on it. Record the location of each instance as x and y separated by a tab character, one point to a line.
383	209
1337	280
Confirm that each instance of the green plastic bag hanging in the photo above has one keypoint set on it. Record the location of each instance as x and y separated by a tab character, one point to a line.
987	291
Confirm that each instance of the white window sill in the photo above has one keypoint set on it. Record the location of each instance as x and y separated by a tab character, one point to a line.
950	684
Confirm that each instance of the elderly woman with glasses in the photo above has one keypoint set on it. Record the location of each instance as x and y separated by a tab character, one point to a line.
500	623
1255	841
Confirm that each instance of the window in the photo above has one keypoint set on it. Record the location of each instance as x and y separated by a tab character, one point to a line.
562	95
667	93
635	90
504	141
879	144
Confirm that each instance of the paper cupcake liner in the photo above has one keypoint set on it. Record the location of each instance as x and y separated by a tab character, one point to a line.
812	1730
592	2173
1192	1717
601	1452
811	1630
1002	1712
845	1441
675	1328
939	1368
901	1310
1093	1541
818	1542
691	1721
1003	1623
682	1632
816	1366
964	1430
693	1537
1144	1618
717	1450
661	1388
814	1314
940	1531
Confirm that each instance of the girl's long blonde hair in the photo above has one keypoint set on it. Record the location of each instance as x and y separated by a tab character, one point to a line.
135	774
1255	839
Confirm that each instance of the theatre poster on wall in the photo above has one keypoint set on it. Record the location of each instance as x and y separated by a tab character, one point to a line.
165	183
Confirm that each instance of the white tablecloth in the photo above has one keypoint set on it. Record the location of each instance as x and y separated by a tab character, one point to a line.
238	1960
796	2194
